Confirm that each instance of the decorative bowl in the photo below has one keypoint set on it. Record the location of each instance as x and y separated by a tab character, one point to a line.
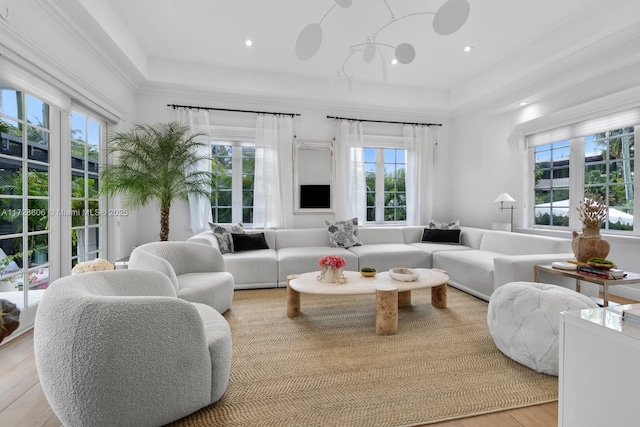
601	266
404	274
368	271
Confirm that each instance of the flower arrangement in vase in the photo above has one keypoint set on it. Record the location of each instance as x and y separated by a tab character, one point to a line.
331	269
590	244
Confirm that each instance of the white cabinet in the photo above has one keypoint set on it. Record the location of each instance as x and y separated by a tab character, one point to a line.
599	377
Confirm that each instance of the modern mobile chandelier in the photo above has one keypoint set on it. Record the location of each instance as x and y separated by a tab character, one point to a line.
448	19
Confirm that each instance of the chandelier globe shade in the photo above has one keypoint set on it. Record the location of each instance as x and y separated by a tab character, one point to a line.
405	53
309	41
344	3
369	52
451	16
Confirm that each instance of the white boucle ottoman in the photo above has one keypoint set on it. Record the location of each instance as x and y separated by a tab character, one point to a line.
524	318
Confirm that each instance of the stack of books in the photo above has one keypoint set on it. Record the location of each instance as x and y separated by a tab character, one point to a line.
611	273
631	316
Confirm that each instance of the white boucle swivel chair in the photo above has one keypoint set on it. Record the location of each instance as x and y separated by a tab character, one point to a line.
197	271
117	348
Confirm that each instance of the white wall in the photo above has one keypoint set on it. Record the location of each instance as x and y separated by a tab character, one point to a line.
486	164
311	125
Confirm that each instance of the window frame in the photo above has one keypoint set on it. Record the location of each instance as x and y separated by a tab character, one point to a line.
381	143
102	211
237	173
577	185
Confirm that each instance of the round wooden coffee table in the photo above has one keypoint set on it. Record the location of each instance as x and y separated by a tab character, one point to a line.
390	293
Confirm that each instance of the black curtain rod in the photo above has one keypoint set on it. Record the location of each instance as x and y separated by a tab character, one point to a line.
385	121
174	106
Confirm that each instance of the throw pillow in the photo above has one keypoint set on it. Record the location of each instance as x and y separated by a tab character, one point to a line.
343	234
248	242
435	235
223	234
453	225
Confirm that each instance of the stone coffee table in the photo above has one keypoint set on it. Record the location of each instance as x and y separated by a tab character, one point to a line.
390	293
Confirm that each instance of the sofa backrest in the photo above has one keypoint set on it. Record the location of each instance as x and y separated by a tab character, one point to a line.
471	237
301	237
523	244
380	235
413	233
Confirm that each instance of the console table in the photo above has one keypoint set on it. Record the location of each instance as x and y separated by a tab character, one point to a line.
598	370
631	278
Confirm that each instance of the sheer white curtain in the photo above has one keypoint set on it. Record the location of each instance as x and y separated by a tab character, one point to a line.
272	192
350	191
419	143
199	206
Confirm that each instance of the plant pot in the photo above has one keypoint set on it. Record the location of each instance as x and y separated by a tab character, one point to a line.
332	275
589	244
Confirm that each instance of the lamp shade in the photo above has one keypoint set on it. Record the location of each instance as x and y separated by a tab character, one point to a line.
504	197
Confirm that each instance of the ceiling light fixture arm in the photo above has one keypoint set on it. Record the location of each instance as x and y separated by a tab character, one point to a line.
372	42
390	11
398	19
328	11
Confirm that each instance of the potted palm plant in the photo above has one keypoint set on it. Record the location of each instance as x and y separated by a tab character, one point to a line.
156	163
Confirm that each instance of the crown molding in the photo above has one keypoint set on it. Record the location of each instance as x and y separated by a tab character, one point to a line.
78	23
29	55
557	73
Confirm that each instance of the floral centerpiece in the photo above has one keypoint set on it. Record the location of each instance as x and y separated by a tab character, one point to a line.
331	269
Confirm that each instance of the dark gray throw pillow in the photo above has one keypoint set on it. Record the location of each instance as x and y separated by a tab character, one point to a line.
248	241
434	235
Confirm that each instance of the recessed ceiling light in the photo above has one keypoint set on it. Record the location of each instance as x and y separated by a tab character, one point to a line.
248	43
394	61
523	103
468	48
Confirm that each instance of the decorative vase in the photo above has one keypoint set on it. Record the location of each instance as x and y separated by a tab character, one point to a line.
332	275
589	244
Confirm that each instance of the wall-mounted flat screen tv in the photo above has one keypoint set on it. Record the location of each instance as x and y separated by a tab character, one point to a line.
315	196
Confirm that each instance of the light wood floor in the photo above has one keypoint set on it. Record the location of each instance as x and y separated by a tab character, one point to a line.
22	402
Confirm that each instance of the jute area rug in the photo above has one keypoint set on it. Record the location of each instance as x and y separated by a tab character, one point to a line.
327	367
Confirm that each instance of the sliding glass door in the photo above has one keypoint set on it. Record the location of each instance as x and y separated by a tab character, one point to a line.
25	196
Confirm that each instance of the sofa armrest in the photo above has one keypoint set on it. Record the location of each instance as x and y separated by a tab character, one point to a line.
515	268
205	238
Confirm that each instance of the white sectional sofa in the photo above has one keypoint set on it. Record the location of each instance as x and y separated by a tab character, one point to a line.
483	261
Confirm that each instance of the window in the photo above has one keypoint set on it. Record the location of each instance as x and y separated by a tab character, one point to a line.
608	173
385	182
24	196
552	184
88	218
233	167
594	164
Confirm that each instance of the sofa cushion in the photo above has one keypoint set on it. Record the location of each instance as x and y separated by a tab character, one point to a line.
523	244
390	255
441	236
305	259
223	234
474	269
431	248
343	234
253	267
213	289
248	242
301	237
380	235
